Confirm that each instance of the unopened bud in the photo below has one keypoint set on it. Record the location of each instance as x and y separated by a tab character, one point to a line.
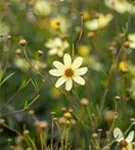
84	102
126	44
23	42
68	115
18	51
91	34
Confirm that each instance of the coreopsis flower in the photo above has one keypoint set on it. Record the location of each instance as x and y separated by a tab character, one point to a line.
69	72
121	6
123	67
124	143
83	50
57	46
131	39
100	22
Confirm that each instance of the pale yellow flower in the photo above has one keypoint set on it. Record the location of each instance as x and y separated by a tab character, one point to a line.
42	8
121	6
131	39
99	22
57	46
69	72
60	23
124	143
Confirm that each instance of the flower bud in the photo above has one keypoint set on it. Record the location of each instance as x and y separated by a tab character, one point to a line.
84	102
23	42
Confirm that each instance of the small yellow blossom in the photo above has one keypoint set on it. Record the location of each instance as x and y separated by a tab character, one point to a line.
83	50
123	66
85	14
59	23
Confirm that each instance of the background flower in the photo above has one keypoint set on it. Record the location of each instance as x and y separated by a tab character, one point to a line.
57	46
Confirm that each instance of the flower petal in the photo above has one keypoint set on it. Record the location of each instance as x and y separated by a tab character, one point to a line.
118	135
130	137
52	51
58	65
55	72
132	45
65	44
58	42
69	84
77	62
60	81
129	147
79	80
82	71
67	60
60	53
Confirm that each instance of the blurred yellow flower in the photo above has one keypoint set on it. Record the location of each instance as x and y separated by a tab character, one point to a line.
121	6
42	8
69	72
125	144
59	23
131	38
123	66
101	21
85	14
83	50
57	46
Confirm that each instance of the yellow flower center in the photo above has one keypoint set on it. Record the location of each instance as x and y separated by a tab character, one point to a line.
69	72
123	143
58	47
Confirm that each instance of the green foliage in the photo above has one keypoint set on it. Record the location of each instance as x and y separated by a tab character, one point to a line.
34	34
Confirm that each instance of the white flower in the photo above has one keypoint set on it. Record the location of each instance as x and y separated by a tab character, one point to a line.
121	6
57	46
124	143
100	22
131	38
69	72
